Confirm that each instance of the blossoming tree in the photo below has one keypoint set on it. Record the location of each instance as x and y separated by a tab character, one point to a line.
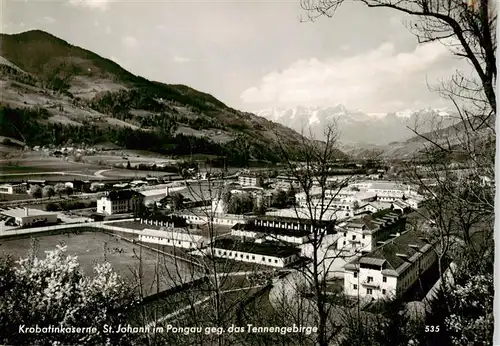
54	293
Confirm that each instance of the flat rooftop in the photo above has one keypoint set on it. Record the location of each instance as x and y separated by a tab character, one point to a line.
388	185
298	218
329	216
266	249
169	233
21	212
207	213
271	230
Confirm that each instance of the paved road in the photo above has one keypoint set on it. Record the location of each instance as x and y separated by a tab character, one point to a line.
26	231
47	173
99	173
52	199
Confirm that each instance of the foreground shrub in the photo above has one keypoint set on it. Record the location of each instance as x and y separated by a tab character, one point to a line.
54	292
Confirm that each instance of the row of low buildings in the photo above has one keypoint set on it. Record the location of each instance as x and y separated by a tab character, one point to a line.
391	260
388	258
77	185
364	196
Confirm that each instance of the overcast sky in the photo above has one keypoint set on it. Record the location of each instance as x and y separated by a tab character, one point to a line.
253	55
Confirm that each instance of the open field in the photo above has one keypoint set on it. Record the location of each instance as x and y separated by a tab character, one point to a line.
132	173
132	156
94	247
36	162
55	177
202	230
24	165
39	165
42	167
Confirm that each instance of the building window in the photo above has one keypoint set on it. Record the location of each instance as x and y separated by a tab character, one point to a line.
363	236
344	242
370	279
345	234
383	291
264	259
355	286
242	256
384	279
369	291
253	257
355	275
247	256
269	261
353	237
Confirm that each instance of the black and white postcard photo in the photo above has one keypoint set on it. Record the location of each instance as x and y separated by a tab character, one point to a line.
248	172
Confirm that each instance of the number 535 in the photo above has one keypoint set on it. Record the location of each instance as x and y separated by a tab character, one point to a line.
432	329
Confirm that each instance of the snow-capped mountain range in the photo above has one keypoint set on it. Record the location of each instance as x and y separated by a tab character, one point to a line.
359	127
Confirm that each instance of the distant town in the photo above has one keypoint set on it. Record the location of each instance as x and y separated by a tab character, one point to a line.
259	217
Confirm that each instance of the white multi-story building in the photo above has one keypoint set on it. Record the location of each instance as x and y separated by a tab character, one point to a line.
249	180
11	189
385	191
343	200
174	237
268	254
121	201
391	269
285	182
362	233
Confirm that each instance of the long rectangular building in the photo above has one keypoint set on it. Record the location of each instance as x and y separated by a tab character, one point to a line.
260	253
174	237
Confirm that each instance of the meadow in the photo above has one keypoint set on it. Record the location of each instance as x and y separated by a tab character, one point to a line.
158	272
